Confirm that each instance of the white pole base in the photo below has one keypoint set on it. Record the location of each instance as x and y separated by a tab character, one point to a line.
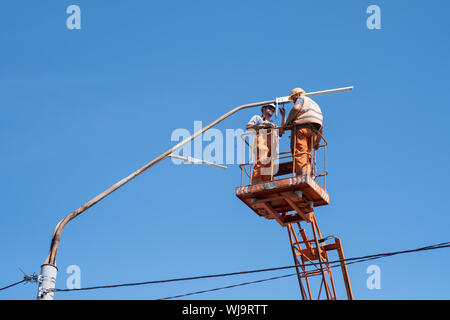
47	282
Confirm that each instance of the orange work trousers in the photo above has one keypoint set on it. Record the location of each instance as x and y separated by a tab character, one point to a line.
262	171
302	141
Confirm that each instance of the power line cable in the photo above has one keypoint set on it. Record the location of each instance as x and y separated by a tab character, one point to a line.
26	278
335	263
229	287
12	285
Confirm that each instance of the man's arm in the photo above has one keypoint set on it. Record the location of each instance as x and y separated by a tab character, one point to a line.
294	111
293	114
283	116
260	126
253	124
283	120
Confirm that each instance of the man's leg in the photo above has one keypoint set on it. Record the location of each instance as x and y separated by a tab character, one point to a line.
261	171
302	151
265	158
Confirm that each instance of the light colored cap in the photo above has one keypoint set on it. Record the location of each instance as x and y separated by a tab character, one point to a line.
270	105
296	91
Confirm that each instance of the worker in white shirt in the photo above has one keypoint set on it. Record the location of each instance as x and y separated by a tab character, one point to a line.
263	125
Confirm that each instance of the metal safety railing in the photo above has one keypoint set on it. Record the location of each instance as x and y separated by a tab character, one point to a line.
281	163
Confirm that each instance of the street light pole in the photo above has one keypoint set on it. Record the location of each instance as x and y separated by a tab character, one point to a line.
49	270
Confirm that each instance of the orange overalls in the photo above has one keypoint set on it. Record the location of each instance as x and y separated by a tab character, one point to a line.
262	171
305	135
303	138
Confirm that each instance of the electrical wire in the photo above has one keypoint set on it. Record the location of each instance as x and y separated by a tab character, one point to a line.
336	264
12	285
229	287
26	278
333	264
174	280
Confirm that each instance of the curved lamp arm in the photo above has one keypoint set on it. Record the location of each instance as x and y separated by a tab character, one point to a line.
51	258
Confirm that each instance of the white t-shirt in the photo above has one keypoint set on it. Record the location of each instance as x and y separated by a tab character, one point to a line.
257	119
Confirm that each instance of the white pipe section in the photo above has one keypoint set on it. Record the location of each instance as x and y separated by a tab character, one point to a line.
283	100
319	93
47	282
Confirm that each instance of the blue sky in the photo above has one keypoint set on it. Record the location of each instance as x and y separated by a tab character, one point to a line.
81	109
